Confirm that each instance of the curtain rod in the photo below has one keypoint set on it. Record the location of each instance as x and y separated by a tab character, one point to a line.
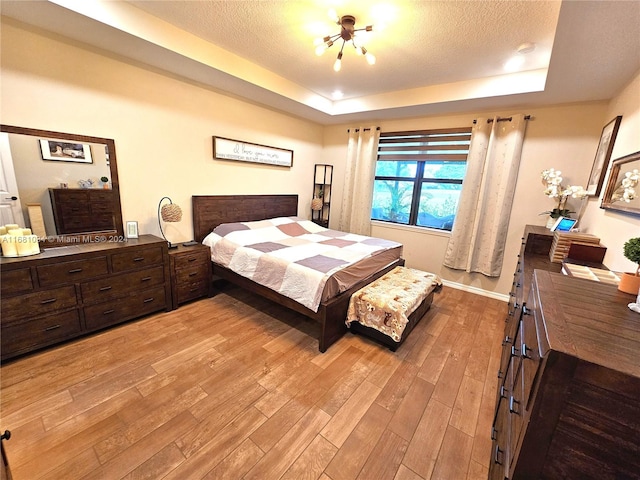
364	129
505	119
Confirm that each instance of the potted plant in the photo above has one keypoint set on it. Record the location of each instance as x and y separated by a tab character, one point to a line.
630	281
105	182
552	180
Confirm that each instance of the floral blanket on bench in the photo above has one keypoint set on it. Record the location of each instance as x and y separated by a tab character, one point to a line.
386	303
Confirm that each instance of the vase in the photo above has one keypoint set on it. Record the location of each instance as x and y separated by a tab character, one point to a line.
629	283
550	222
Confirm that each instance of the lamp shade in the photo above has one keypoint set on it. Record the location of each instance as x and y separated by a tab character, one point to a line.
171	212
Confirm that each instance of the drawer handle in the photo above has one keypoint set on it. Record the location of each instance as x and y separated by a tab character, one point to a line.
525	351
512	405
500	374
108	312
75	270
514	351
48	300
52	327
504	393
507	339
192	259
145	279
194	289
147	300
525	310
104	289
193	274
6	435
494	433
138	259
497	454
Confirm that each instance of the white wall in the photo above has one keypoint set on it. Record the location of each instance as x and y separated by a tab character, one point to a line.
162	126
612	227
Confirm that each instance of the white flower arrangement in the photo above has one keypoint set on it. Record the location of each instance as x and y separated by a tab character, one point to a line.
627	191
552	180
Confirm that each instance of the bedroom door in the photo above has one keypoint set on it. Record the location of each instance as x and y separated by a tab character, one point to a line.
10	207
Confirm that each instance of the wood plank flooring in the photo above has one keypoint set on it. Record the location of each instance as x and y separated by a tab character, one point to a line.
234	387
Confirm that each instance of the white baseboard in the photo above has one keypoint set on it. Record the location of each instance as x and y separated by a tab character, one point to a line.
476	290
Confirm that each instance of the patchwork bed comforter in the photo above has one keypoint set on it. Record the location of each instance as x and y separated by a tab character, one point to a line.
292	256
386	303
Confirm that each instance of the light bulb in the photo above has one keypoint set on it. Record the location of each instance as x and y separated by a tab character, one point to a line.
320	49
371	60
338	63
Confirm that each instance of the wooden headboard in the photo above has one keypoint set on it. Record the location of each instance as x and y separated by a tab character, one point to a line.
209	211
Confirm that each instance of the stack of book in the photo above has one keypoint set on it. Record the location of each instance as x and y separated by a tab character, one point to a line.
563	240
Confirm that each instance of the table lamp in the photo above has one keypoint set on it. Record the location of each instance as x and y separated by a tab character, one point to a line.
169	212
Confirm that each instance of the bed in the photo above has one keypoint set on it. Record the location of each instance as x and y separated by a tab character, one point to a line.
211	211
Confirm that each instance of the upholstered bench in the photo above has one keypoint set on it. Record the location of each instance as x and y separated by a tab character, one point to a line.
388	308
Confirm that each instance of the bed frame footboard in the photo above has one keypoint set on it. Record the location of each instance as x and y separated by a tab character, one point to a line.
331	314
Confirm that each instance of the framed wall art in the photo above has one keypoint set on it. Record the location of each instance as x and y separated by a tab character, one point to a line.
55	150
603	155
228	149
623	187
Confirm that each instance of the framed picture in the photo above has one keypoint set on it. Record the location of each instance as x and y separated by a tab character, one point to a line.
228	149
132	230
603	155
60	151
623	187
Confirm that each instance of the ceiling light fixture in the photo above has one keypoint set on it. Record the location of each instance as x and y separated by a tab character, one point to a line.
347	33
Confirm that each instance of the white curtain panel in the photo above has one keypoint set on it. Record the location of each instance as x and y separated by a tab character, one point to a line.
362	153
480	230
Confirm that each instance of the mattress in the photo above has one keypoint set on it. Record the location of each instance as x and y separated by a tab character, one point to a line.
298	258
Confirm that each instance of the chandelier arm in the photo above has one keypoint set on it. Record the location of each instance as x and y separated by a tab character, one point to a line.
332	38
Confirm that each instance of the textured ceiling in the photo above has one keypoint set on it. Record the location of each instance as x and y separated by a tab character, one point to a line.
413	45
433	57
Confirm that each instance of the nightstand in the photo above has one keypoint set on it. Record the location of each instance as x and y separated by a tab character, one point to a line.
190	273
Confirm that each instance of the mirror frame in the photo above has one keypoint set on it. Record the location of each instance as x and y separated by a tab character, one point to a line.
614	179
85	237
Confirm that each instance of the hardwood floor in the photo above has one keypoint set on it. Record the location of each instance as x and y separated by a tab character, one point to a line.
234	387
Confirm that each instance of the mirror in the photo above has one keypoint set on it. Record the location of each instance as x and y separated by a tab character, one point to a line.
623	187
62	172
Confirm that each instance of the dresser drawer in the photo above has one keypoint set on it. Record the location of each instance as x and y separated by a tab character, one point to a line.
71	209
121	262
71	272
500	454
15	281
530	351
37	303
97	291
185	260
192	291
38	332
195	273
122	309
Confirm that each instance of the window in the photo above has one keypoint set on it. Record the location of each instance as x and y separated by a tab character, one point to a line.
419	177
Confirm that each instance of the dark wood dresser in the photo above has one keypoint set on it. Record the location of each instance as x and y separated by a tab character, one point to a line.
568	400
77	210
66	292
190	273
